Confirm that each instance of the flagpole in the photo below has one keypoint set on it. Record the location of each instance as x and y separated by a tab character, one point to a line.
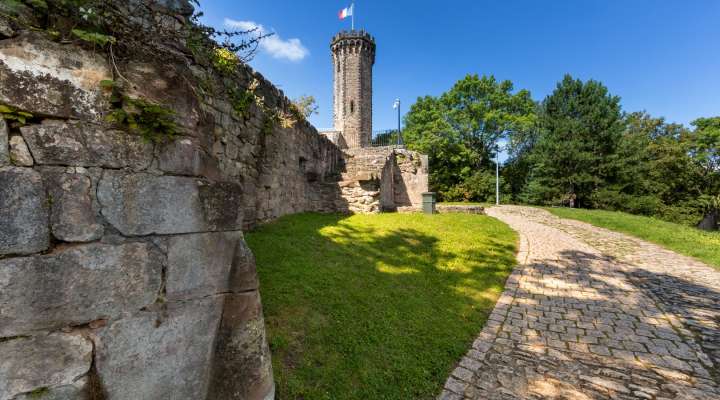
352	15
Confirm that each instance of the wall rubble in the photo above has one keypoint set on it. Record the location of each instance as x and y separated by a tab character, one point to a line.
383	179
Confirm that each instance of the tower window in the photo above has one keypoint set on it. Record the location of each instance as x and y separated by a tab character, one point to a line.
352	106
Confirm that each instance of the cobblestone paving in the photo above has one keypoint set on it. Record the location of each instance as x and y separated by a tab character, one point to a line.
593	314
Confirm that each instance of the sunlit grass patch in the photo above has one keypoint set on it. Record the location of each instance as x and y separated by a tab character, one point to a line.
686	240
376	306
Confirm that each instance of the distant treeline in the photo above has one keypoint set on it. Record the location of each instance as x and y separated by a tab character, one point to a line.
576	148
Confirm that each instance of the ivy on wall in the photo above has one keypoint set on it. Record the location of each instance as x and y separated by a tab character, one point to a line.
113	27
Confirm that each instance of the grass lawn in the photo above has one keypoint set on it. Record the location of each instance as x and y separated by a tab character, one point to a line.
683	239
376	306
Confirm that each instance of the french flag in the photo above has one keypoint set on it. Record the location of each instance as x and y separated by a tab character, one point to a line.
346	12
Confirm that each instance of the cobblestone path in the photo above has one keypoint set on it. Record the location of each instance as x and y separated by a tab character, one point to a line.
593	314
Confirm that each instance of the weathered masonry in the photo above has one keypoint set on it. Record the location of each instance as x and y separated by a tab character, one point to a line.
353	55
375	178
124	273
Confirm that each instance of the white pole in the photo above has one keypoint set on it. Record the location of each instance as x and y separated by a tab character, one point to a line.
497	176
352	15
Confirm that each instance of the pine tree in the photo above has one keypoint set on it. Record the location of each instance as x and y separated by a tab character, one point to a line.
580	126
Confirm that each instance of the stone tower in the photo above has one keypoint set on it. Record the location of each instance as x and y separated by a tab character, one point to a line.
353	56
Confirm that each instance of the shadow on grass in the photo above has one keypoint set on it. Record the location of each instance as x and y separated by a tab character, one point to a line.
377	306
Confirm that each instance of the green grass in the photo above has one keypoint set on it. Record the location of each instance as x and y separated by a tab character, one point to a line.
683	239
376	306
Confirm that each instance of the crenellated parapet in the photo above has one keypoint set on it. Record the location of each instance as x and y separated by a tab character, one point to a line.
354	42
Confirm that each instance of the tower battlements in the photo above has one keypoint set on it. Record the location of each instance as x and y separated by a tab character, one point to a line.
361	34
354	41
353	54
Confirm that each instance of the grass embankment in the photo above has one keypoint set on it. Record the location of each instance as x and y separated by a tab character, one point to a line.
376	306
683	239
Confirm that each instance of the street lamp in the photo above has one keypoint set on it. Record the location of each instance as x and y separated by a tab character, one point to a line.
396	105
497	176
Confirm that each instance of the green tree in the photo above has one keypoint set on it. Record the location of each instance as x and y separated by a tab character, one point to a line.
428	131
305	105
460	129
705	147
704	144
580	126
652	168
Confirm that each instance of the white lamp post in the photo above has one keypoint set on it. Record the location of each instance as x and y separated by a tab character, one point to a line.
497	176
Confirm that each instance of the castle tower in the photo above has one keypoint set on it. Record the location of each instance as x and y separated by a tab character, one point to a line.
353	56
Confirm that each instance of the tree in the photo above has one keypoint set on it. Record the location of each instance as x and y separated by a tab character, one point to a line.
460	129
305	106
705	145
428	132
652	168
580	125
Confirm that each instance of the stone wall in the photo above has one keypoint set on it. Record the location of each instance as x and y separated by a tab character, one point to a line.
383	179
123	269
287	170
411	179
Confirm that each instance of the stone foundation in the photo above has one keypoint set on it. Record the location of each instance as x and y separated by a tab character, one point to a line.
465	209
383	179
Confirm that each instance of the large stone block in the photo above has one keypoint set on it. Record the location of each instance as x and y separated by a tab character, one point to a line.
201	264
166	86
23	212
51	79
45	361
160	355
19	153
72	218
243	275
4	138
186	157
242	369
143	204
6	29
77	285
86	145
78	390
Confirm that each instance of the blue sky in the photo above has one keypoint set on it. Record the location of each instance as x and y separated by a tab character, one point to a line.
662	56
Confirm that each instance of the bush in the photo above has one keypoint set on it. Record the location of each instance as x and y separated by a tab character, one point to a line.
687	213
609	199
479	187
537	193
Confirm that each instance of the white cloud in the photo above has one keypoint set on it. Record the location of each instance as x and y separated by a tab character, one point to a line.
291	49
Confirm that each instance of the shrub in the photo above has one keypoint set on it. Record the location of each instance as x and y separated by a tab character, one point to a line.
225	60
150	120
479	187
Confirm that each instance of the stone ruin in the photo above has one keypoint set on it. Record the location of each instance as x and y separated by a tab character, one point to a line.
386	178
124	273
